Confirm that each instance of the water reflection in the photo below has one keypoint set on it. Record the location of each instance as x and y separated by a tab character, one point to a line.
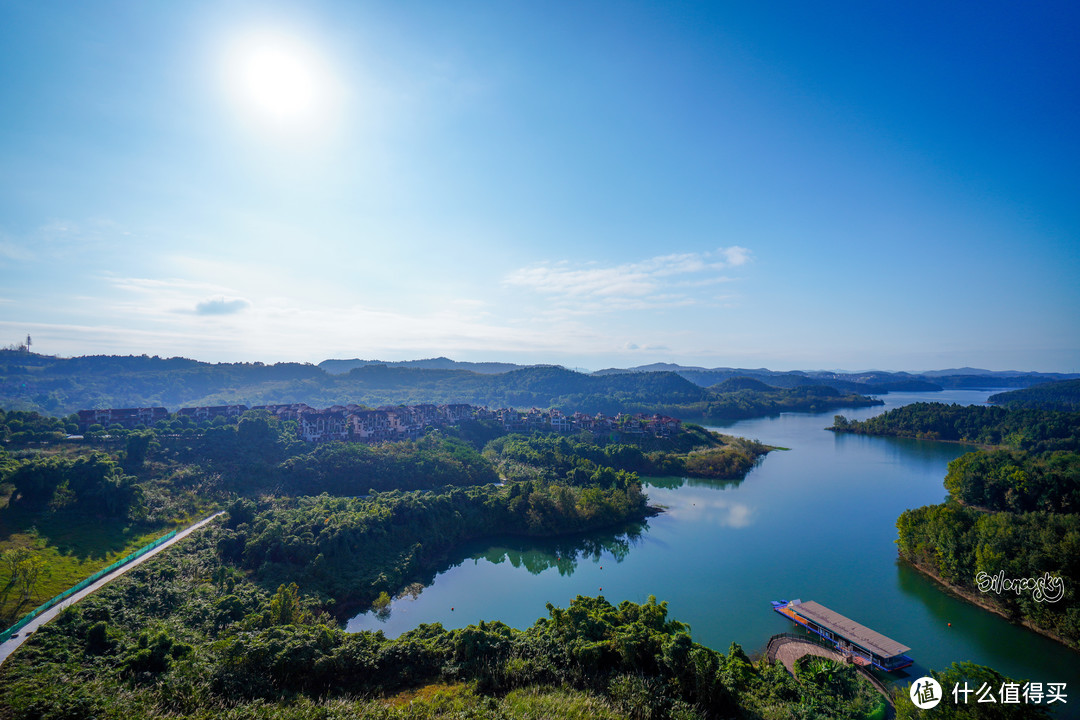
563	555
924	454
674	483
714	509
534	555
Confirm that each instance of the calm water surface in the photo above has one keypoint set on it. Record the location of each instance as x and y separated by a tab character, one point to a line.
815	522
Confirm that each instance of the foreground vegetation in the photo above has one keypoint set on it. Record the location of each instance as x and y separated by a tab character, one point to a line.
193	635
1013	509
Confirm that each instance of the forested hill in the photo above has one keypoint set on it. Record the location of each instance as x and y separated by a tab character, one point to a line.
59	386
1023	429
1064	395
1014	509
874	382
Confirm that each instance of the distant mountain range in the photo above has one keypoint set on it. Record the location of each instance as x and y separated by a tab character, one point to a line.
60	386
881	381
338	367
873	381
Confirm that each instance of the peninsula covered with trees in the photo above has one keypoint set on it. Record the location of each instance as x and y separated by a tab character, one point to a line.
1064	395
1013	509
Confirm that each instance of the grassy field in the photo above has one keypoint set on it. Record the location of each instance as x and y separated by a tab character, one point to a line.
72	547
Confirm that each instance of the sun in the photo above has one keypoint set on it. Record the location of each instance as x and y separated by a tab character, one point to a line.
280	82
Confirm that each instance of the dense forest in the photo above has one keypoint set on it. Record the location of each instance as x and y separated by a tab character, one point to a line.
192	636
1063	395
139	481
525	457
60	386
1013	509
956	543
1030	429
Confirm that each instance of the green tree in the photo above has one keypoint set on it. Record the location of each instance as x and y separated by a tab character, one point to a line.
12	560
29	571
285	606
138	446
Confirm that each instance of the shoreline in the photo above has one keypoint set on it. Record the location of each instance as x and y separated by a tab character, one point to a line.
978	600
980	446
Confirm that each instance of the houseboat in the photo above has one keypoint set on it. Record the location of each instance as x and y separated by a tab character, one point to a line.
866	647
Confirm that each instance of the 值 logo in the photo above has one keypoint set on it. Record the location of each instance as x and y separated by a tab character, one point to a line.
925	693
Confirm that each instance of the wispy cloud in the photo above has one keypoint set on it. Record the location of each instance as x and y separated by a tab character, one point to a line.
221	306
177	295
632	346
12	251
661	281
175	315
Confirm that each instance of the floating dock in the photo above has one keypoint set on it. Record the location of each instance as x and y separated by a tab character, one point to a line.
865	646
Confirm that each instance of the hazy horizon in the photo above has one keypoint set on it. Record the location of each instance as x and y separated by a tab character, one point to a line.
592	184
847	371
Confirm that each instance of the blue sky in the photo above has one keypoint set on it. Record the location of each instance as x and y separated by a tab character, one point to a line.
784	185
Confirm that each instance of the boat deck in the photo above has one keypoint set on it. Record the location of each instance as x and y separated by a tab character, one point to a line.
866	647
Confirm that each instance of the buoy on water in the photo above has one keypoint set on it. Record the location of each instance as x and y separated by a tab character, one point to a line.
451	609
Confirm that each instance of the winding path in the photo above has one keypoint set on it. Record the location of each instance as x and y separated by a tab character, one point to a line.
13	643
789	649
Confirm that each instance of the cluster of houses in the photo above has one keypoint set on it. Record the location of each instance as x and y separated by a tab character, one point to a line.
358	423
127	417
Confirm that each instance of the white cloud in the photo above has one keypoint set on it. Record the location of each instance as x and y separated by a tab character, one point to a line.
655	282
173	316
632	346
221	306
735	255
222	310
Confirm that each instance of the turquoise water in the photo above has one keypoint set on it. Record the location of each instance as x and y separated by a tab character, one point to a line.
815	522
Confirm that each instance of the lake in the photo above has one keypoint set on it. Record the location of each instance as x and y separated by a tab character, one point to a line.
816	522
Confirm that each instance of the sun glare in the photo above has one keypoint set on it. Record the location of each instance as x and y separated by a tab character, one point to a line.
280	82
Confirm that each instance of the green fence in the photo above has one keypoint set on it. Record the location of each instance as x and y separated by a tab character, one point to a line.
4	636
